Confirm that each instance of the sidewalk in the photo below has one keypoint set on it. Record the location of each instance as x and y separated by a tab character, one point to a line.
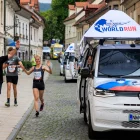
11	116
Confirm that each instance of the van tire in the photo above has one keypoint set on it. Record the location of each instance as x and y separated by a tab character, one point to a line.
85	117
66	80
85	106
91	133
60	74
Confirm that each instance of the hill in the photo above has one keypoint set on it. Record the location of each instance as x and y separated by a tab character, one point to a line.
44	6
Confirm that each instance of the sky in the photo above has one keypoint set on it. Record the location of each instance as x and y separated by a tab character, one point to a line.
45	1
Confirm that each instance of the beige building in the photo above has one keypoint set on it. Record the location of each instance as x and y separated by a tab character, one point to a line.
76	12
132	8
1	27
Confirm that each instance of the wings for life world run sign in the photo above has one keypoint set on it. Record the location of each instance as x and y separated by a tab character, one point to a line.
114	24
104	25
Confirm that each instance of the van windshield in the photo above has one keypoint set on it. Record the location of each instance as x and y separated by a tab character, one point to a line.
57	49
119	62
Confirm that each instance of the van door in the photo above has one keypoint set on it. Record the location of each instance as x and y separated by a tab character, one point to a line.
81	83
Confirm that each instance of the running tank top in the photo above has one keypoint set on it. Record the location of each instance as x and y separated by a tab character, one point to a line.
38	73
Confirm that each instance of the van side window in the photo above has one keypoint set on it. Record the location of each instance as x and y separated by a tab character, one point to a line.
84	58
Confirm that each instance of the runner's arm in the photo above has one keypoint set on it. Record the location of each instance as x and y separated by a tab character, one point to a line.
4	66
28	72
46	69
21	65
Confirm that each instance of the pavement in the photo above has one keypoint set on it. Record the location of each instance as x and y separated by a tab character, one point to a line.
60	119
12	118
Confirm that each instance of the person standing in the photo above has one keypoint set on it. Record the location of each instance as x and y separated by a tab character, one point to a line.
33	61
12	76
3	59
38	82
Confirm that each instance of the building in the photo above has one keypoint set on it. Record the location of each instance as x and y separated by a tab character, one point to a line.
76	12
21	32
2	27
132	8
35	27
11	6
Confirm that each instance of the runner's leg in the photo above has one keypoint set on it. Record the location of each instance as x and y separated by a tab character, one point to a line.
0	87
8	94
15	94
41	93
36	97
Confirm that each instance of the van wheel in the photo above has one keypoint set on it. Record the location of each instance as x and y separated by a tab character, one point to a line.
66	80
85	117
91	133
85	106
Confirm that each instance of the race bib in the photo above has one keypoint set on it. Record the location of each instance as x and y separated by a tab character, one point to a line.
11	69
37	75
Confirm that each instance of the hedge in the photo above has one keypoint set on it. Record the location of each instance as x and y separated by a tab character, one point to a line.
27	64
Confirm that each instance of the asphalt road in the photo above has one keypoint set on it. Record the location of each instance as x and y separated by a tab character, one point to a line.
60	119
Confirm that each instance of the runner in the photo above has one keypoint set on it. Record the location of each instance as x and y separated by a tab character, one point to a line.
38	82
4	59
33	61
12	76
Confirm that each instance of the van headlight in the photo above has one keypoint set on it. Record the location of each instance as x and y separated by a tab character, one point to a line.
103	93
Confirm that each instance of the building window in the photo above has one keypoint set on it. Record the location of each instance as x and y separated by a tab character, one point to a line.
19	28
31	33
1	12
34	35
26	31
23	28
109	7
115	7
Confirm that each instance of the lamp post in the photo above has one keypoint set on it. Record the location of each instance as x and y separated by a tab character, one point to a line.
4	27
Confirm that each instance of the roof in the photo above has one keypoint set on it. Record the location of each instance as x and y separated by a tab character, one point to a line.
71	7
82	18
101	7
73	16
81	4
93	6
32	3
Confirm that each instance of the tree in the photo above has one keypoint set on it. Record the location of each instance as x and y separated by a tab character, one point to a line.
54	27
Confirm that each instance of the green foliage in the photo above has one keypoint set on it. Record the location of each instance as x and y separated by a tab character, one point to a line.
4	72
27	64
54	27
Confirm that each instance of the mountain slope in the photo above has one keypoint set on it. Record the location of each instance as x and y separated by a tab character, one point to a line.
44	6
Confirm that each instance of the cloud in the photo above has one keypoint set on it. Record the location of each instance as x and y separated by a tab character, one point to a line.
45	1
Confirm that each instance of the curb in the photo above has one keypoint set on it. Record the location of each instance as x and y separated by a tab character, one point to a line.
17	128
19	125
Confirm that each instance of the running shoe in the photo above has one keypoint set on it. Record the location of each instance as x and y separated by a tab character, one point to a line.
41	107
7	104
37	114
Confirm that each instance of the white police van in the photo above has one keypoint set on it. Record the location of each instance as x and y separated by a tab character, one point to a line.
109	93
71	72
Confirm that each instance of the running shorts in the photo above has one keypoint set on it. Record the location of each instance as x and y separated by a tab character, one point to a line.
12	79
38	84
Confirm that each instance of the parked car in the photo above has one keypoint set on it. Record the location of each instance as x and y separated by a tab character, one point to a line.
46	52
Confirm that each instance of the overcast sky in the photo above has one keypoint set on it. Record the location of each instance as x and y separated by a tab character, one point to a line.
45	1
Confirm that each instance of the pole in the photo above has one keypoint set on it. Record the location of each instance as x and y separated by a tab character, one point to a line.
29	41
4	27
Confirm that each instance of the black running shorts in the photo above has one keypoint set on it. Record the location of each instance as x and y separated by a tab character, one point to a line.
38	85
12	79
